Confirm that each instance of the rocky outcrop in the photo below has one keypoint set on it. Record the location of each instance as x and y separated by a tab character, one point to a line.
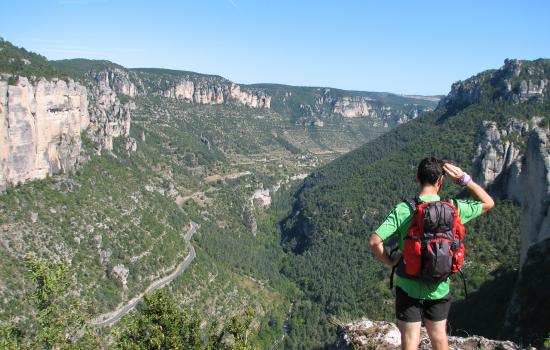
517	81
198	93
121	272
351	107
116	79
255	99
367	334
464	93
203	92
109	117
535	216
262	198
40	125
195	88
498	157
514	162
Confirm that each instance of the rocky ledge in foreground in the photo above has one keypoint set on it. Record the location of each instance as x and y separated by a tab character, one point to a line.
367	334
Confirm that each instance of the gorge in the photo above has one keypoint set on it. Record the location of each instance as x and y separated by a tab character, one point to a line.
102	167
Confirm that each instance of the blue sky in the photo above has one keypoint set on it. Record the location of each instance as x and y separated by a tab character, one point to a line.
411	47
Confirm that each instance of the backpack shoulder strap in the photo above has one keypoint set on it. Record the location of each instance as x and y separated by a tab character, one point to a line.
413	203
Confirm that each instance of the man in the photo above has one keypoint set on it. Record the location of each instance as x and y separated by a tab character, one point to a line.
416	299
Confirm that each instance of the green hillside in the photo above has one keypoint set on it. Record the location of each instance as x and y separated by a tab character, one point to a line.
341	203
17	60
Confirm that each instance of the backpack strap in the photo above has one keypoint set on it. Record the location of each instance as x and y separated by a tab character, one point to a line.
393	268
412	202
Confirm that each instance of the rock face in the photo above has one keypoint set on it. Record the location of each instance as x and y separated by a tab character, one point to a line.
207	93
117	79
121	273
109	117
522	172
535	216
368	334
351	107
40	125
256	99
498	157
517	171
262	198
195	88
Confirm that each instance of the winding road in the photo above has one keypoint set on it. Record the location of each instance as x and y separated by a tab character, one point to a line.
112	317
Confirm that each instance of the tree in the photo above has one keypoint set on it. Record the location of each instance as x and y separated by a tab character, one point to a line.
60	321
160	324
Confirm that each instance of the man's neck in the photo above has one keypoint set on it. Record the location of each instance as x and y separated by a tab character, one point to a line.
428	191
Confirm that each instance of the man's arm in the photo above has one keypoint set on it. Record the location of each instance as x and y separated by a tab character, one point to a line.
377	246
475	190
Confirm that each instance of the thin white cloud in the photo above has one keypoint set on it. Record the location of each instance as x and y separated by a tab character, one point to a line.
232	2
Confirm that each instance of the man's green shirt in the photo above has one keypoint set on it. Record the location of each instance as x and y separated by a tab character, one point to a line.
399	220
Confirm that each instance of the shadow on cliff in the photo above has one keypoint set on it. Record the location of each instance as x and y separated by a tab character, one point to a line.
529	313
484	312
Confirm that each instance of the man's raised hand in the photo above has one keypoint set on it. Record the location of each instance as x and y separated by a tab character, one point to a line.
453	171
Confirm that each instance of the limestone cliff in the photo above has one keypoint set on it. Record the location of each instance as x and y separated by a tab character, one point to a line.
536	188
40	125
116	79
522	172
203	92
514	162
109	117
352	107
498	157
187	86
252	98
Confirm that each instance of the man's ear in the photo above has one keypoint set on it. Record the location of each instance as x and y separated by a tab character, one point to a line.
440	181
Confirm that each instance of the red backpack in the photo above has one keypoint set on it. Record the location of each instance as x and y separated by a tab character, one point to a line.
434	246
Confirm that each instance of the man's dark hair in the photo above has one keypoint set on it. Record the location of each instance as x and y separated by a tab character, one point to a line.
429	170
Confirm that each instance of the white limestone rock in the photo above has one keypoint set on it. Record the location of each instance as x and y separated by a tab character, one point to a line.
498	157
121	273
535	218
367	334
40	125
351	107
262	198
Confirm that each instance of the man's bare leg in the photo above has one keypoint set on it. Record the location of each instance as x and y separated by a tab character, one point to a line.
410	334
437	331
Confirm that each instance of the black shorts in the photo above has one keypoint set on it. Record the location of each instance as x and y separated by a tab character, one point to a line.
409	309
